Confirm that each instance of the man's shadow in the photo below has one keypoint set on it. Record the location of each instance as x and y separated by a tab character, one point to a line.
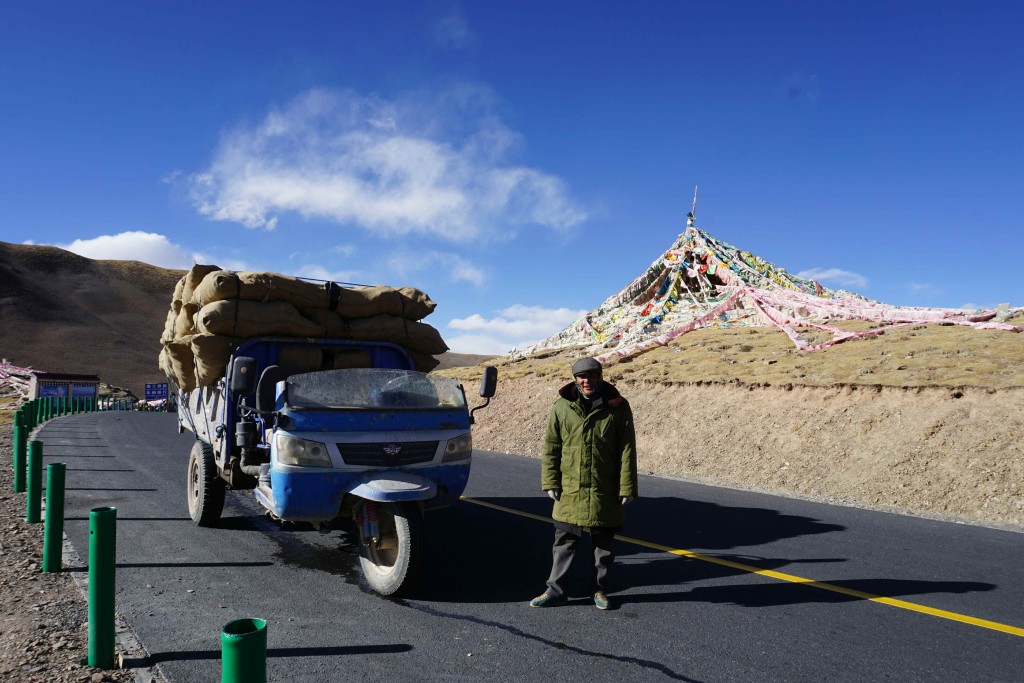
481	554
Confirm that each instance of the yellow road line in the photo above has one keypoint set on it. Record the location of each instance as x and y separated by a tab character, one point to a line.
893	602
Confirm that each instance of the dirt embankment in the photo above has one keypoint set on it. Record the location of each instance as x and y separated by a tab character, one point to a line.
953	453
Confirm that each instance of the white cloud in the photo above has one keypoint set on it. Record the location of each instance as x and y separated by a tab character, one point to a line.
429	165
517	326
924	288
316	272
453	32
148	247
457	268
834	276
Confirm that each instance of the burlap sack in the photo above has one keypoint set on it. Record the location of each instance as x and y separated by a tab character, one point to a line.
178	290
330	323
254	319
416	336
168	333
212	352
422	361
252	286
164	363
192	279
184	323
364	302
182	363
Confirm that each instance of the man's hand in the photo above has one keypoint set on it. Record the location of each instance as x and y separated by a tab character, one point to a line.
626	500
554	494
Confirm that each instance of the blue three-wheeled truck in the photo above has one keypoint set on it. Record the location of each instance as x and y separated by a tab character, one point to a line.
373	446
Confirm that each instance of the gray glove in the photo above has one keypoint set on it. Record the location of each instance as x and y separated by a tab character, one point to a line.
554	494
626	500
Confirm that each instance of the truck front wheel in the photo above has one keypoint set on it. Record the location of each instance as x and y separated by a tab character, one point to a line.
390	559
205	488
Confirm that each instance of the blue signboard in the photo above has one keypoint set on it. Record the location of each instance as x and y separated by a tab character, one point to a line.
155	392
83	390
52	390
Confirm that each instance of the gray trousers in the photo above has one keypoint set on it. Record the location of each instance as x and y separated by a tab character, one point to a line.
564	550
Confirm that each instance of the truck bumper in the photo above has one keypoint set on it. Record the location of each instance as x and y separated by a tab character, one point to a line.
316	496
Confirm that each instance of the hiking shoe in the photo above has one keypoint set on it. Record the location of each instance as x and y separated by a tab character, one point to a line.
548	600
600	600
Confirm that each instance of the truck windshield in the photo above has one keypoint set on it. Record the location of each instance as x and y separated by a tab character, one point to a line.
374	389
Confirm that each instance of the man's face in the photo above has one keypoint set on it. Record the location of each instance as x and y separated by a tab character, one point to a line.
587	382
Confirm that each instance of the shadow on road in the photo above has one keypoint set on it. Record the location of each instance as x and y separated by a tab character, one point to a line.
181	565
478	554
774	594
272	652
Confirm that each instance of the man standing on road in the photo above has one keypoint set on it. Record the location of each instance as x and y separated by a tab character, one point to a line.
589	471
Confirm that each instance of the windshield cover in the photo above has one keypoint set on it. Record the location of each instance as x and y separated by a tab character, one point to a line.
374	389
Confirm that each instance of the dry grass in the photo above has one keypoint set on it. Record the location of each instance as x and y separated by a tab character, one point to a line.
918	356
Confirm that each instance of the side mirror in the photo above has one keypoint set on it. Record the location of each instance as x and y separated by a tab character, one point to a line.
243	375
489	382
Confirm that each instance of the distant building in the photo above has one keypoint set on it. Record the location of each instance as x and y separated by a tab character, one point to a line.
59	385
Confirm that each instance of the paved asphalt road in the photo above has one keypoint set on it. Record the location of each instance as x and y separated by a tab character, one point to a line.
730	604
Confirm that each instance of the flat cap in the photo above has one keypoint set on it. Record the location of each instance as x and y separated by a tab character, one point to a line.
585	365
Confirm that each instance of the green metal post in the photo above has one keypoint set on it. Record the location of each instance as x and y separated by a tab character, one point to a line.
243	645
102	549
34	501
20	441
49	408
53	530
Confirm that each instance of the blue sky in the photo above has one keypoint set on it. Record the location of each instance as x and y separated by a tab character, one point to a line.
522	161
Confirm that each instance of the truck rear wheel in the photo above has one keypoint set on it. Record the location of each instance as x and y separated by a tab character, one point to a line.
391	561
205	488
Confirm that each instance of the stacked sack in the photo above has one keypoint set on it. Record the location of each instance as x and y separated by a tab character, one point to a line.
213	310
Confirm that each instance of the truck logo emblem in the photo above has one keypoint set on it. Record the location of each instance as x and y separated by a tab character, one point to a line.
392	449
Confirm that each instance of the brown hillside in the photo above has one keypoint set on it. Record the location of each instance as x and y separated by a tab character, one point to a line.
60	312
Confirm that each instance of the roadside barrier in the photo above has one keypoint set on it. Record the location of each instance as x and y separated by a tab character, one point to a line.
18	451
243	645
53	529
102	549
34	500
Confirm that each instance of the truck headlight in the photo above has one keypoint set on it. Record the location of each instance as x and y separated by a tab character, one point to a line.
459	448
294	451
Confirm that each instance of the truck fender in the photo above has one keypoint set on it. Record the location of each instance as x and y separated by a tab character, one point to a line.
385	487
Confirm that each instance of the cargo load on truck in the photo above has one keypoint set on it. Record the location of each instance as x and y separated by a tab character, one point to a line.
213	310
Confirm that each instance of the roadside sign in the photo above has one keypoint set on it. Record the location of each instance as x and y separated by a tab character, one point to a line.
155	392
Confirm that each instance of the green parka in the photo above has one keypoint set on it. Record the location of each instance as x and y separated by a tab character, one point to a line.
590	457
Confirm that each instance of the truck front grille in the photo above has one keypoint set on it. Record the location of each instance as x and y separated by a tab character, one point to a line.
388	454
